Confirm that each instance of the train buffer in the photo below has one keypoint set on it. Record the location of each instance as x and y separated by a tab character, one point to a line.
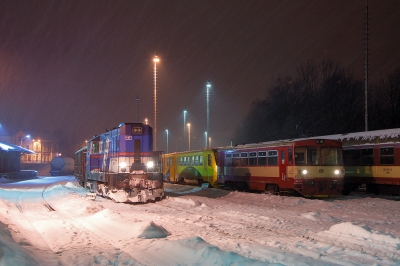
91	196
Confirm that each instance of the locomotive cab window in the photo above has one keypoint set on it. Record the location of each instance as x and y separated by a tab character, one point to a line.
306	155
386	155
94	147
331	156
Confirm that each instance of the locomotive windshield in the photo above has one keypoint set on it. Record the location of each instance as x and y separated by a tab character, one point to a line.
331	156
317	156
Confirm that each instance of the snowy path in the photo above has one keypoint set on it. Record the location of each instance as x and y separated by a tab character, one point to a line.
193	226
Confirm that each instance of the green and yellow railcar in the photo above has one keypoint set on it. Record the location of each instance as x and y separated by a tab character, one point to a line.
191	167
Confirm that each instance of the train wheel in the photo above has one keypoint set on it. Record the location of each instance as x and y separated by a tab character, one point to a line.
271	189
373	188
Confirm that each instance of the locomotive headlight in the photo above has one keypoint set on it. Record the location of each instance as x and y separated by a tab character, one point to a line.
150	164
304	172
337	172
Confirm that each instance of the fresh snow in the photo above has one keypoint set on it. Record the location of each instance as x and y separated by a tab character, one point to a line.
50	221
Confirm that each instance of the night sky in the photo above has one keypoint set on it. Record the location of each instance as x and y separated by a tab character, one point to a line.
76	67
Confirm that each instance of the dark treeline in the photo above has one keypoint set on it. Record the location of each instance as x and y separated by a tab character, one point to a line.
322	99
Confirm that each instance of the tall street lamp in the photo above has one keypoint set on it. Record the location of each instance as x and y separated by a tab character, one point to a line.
184	129
188	126
167	138
208	110
205	135
156	60
27	136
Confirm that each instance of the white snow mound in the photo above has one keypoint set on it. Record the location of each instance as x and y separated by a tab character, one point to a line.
153	230
363	232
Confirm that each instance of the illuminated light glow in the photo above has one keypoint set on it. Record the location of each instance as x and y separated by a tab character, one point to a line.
150	164
122	164
337	172
304	172
5	147
156	60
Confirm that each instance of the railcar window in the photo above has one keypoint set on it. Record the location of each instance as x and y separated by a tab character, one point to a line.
262	158
236	159
252	158
180	161
349	157
201	160
290	154
244	159
193	161
386	155
209	162
272	157
228	160
367	156
331	156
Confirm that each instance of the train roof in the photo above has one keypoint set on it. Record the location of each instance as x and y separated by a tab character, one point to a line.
283	142
367	137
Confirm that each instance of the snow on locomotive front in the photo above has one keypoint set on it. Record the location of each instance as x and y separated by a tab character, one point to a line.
121	165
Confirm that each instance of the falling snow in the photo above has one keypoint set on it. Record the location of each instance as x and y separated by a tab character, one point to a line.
74	68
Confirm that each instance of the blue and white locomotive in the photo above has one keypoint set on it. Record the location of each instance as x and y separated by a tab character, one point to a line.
120	164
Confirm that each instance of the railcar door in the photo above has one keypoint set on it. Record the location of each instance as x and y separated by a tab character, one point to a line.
282	169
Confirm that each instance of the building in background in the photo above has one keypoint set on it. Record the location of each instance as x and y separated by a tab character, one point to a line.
45	146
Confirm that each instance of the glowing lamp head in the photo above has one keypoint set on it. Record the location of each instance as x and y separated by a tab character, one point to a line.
150	164
337	172
304	172
156	59
122	164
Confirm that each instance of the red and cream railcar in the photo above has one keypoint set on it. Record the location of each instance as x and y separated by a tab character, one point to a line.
371	159
306	167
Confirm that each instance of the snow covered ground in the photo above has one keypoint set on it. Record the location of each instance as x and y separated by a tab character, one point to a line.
49	221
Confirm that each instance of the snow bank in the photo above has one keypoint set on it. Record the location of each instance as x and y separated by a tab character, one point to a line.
364	233
196	251
10	252
190	202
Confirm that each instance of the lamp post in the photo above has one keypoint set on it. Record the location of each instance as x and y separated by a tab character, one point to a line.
205	135
209	141
137	102
208	110
156	60
184	130
167	138
27	136
188	126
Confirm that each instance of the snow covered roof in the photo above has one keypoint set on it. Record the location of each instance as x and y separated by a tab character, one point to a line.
376	136
10	147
